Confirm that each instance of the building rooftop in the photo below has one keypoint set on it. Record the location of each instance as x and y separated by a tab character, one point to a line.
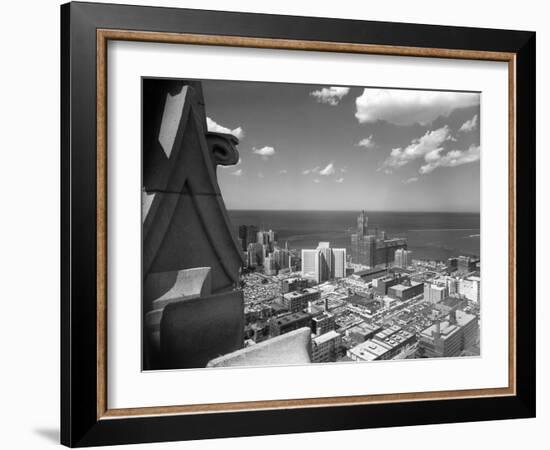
364	328
400	287
367	272
291	317
370	350
448	329
326	337
300	293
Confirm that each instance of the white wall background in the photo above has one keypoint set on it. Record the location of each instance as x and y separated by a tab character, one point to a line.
29	229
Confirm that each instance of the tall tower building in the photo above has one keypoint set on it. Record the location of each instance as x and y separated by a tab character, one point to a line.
362	224
402	258
338	263
311	265
325	260
323	263
372	249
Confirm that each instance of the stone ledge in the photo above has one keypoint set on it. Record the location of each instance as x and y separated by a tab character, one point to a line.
287	349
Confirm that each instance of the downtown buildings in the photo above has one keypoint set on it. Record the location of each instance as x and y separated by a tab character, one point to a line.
373	248
447	338
323	263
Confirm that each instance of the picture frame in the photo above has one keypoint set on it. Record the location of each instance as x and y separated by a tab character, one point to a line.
86	29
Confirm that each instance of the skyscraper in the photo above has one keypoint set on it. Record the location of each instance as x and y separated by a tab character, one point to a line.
247	234
339	263
325	260
372	249
282	258
255	254
362	223
311	264
270	267
323	263
402	258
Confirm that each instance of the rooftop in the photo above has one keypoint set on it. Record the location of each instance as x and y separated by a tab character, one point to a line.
326	337
291	317
300	293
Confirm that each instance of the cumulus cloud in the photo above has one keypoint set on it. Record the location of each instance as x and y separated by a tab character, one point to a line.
339	180
264	151
237	172
410	180
316	180
328	170
469	125
283	171
425	146
217	128
367	142
406	107
331	95
316	169
452	158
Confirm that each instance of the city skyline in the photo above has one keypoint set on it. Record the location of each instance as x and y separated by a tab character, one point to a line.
310	147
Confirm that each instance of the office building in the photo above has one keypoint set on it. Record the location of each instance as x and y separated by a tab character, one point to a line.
406	292
247	235
282	258
372	248
294	284
362	332
326	347
270	268
322	323
466	265
449	337
369	274
311	265
288	322
470	288
325	260
386	344
402	258
255	254
381	285
339	263
323	263
435	293
298	300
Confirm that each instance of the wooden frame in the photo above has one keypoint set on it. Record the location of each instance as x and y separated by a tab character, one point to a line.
86	29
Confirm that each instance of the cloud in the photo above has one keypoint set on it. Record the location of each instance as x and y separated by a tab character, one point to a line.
410	180
407	107
331	95
314	170
368	142
469	125
328	170
237	172
217	128
260	175
452	158
426	146
283	171
264	151
339	180
343	169
316	180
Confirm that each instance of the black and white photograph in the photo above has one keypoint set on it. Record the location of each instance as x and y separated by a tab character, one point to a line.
293	224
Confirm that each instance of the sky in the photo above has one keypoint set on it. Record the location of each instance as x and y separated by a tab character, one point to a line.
311	147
